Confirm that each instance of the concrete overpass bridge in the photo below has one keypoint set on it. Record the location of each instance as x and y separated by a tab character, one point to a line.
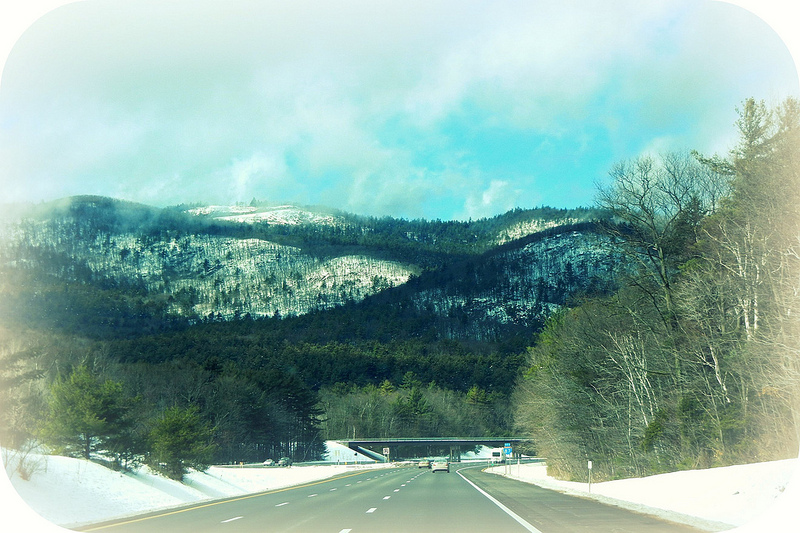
374	448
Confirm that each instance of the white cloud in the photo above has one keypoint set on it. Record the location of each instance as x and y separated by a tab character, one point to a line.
355	102
261	174
500	196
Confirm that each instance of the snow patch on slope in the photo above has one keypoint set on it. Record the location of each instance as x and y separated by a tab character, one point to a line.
287	215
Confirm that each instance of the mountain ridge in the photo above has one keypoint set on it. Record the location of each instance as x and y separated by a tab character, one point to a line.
196	263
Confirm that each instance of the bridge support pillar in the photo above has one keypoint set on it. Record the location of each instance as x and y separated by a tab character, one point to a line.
455	454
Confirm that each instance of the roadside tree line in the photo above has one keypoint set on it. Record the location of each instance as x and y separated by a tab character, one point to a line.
694	361
71	397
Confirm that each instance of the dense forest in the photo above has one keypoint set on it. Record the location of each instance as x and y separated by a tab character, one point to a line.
654	331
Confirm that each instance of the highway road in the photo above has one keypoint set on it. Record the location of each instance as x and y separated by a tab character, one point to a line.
399	500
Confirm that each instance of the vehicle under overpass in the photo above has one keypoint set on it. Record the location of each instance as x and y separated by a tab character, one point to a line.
374	448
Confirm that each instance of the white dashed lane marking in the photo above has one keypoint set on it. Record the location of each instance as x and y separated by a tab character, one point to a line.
231	519
282	504
372	510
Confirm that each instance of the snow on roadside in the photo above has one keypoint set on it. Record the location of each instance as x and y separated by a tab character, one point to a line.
714	499
72	492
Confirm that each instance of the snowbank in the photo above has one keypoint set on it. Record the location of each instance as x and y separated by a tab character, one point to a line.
714	499
72	492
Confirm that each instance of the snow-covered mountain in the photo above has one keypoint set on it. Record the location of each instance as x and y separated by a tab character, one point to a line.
519	285
204	275
221	263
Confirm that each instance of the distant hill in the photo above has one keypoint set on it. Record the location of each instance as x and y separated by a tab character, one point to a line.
109	267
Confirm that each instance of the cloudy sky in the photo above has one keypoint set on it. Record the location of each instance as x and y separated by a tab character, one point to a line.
436	108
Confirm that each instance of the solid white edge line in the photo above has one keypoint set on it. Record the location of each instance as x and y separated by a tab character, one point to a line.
505	509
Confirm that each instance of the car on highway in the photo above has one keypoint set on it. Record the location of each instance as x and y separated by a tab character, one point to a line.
285	461
424	464
268	462
440	465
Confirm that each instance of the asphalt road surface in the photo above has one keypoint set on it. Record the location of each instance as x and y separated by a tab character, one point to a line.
401	500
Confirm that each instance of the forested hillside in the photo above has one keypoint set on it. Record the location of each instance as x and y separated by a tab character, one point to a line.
269	329
694	361
202	271
184	265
